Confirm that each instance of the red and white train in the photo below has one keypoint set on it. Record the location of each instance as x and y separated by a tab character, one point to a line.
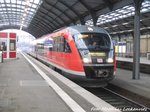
84	54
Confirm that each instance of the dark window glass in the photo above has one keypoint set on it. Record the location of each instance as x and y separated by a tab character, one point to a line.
92	41
60	44
3	44
55	45
40	48
67	47
48	44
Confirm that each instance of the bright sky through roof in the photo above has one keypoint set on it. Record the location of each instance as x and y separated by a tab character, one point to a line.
24	38
124	12
18	12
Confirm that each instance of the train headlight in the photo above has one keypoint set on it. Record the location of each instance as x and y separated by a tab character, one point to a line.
86	60
110	60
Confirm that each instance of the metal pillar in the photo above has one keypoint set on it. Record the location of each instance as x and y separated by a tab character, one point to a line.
136	45
82	21
94	17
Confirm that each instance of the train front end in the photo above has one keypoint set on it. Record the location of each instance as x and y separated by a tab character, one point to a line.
97	53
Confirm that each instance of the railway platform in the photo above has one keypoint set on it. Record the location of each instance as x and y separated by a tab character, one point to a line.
27	85
127	63
123	79
143	60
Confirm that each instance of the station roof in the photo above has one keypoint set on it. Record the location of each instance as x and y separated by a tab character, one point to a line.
39	17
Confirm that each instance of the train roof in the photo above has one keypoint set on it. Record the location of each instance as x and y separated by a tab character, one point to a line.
84	28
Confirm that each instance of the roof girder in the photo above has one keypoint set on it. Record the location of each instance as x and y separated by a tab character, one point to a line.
49	20
62	12
75	12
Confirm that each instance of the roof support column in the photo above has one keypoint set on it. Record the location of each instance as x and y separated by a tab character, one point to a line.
94	18
82	21
136	40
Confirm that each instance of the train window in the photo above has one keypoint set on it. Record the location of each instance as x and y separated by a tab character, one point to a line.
67	47
50	48
55	46
92	41
40	46
59	44
48	44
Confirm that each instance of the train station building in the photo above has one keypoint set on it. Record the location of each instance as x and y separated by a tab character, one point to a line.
46	64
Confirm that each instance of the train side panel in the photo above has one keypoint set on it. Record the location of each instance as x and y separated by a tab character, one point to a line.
69	60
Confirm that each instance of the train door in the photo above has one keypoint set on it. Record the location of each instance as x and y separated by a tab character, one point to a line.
67	54
57	51
61	55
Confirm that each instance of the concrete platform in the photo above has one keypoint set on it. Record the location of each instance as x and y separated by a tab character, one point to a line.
23	90
127	63
124	80
30	86
142	60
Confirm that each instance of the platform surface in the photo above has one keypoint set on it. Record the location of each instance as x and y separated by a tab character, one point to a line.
23	89
142	60
123	79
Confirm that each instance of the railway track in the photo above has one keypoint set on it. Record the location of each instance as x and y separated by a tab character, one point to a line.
118	101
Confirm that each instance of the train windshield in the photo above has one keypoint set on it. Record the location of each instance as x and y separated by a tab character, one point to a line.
93	41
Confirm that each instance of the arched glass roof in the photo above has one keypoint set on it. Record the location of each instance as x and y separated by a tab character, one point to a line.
121	13
17	12
39	17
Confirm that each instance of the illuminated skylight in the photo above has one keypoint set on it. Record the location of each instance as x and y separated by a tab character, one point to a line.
124	12
17	12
